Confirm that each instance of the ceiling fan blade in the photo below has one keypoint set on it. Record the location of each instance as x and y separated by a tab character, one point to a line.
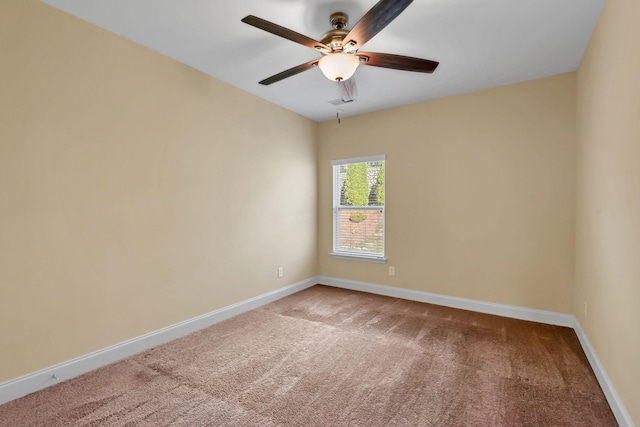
290	72
286	33
397	62
378	17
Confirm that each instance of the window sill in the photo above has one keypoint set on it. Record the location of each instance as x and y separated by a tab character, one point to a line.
353	257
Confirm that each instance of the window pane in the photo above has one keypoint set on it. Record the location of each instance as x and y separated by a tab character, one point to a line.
361	231
361	184
358	194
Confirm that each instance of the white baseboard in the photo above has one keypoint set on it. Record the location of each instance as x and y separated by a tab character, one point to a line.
548	317
39	380
618	408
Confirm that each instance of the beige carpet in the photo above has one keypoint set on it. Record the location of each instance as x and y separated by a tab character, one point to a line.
331	357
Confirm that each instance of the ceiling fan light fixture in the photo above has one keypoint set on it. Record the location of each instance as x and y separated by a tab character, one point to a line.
338	66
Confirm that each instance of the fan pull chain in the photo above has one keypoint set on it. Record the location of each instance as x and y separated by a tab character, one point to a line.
338	116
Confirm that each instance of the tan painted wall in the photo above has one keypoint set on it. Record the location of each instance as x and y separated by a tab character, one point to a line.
135	192
130	184
608	202
480	194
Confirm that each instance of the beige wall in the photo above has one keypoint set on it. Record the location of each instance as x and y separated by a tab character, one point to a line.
608	202
135	192
480	193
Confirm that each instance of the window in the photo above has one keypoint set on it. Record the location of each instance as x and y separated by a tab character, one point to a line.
358	208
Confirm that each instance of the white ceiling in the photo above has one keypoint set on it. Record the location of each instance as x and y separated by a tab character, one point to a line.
479	44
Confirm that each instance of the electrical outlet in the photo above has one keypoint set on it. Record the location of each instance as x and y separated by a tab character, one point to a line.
392	271
280	272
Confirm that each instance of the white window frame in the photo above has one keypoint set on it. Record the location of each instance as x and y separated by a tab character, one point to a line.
342	254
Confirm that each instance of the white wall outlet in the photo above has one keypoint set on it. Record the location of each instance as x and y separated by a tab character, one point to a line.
280	272
392	271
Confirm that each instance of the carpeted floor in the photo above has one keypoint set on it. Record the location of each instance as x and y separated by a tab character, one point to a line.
332	357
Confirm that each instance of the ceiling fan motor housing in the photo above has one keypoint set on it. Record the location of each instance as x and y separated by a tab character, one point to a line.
334	38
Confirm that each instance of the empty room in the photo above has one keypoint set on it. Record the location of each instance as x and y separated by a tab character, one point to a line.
302	213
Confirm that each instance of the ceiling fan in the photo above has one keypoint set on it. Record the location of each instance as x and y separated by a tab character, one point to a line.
339	47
